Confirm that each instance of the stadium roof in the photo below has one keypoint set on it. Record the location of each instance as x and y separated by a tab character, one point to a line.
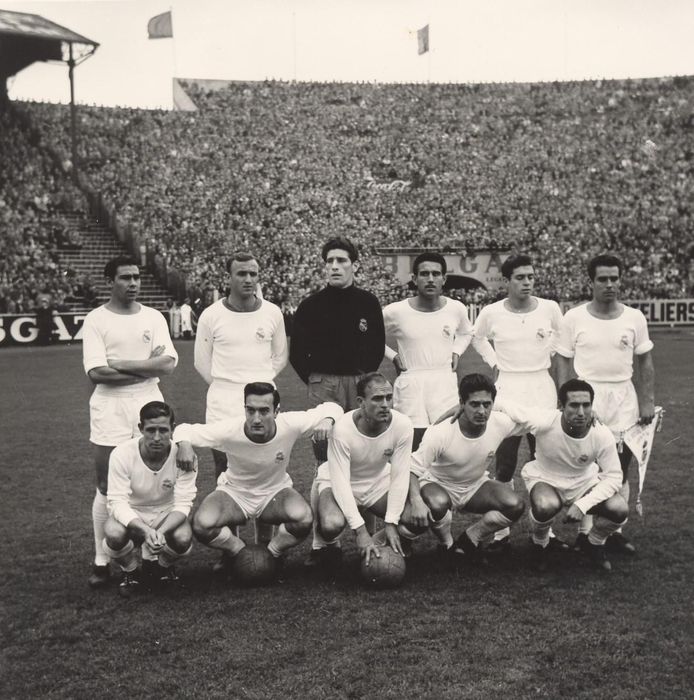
26	38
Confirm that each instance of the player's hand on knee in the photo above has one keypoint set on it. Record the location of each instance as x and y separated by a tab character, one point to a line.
186	459
155	540
574	514
323	430
393	538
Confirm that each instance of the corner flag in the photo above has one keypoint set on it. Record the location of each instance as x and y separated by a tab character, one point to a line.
160	27
423	40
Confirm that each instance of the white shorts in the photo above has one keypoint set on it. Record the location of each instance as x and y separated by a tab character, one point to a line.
224	400
252	504
115	419
425	395
616	405
364	494
569	489
531	389
460	495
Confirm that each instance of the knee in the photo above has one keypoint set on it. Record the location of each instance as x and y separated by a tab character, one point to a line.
544	509
513	507
332	524
115	534
203	525
300	519
439	504
616	509
181	538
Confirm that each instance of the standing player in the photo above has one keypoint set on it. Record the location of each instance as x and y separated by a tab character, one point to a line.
577	466
255	483
240	338
126	348
367	467
601	339
432	332
338	333
186	319
149	500
452	470
524	330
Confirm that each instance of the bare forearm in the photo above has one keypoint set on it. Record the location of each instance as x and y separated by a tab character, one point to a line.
152	367
565	369
645	378
109	375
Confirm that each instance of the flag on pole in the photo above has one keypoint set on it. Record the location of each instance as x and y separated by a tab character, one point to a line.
423	40
160	27
639	439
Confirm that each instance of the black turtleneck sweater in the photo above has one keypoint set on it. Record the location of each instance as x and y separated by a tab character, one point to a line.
337	331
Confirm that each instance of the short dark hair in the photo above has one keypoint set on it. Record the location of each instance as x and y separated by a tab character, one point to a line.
111	267
429	257
512	262
262	389
366	380
156	409
342	244
603	260
471	383
240	256
574	385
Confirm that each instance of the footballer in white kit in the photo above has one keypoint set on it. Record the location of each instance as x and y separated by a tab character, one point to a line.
240	339
255	483
576	466
431	332
368	467
599	342
450	471
149	500
524	330
126	348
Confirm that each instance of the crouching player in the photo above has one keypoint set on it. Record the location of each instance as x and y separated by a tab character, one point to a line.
148	500
576	465
255	483
368	466
450	470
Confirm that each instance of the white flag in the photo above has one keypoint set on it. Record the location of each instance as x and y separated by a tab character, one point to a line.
639	439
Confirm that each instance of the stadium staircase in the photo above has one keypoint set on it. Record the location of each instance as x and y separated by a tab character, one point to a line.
98	245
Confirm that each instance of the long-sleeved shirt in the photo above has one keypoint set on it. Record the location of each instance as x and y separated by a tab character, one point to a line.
240	347
337	331
427	339
254	467
357	460
571	459
133	486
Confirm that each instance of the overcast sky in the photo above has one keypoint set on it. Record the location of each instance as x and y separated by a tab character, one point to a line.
471	41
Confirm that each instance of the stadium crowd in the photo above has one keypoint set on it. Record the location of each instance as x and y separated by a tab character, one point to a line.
561	170
34	203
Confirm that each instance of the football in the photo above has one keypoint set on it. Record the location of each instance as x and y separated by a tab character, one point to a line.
388	571
254	566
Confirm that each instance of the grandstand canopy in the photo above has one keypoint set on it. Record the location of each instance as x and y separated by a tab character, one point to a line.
26	38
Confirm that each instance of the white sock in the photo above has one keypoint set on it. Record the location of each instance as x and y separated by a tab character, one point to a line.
488	524
586	525
227	541
99	518
282	541
442	529
539	531
125	557
167	555
602	529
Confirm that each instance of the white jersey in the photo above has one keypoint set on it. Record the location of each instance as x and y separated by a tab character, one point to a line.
133	486
523	342
240	347
450	458
565	459
604	349
110	336
426	339
355	459
254	467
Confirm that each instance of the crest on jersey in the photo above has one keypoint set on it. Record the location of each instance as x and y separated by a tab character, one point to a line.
279	457
624	342
260	334
363	325
167	484
447	332
542	333
583	459
147	337
388	452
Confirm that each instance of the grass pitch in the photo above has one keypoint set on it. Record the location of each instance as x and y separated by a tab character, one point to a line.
502	632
